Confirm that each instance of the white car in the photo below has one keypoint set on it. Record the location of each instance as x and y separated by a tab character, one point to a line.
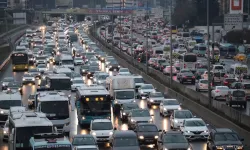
177	118
124	71
167	107
76	82
42	67
144	91
28	78
219	92
102	130
83	147
194	129
78	61
6	81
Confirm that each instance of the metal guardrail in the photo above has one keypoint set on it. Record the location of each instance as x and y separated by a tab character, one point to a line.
4	37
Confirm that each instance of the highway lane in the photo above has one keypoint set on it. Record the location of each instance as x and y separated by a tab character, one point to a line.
228	63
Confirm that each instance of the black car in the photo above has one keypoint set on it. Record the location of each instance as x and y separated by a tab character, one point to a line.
91	71
147	133
224	138
126	108
113	66
187	77
84	70
173	140
15	86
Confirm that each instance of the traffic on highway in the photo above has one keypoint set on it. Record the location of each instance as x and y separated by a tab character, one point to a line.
61	91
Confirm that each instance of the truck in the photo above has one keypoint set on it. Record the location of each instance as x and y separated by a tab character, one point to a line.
56	107
50	141
23	125
92	102
121	90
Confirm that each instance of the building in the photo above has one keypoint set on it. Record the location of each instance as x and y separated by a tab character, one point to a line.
64	3
22	4
42	4
3	3
88	3
121	3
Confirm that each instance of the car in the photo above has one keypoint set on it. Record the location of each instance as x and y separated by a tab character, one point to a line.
178	116
195	129
76	82
15	86
229	81
6	81
224	138
167	70
6	131
173	140
219	92
78	61
147	133
139	116
86	147
125	140
42	68
199	72
154	98
167	107
201	85
236	97
35	72
91	71
113	66
102	130
151	61
126	108
240	57
124	71
144	91
84	69
163	65
31	101
180	73
187	77
84	140
28	78
101	78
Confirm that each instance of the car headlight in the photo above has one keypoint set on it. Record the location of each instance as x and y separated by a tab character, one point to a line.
141	137
123	113
110	66
176	121
151	120
164	109
165	149
66	124
83	118
33	79
119	66
3	84
179	108
188	131
110	133
23	79
2	112
219	147
94	134
132	120
189	148
206	131
151	100
156	137
239	147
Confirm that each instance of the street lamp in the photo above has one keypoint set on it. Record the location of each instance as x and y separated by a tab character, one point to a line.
208	57
171	44
147	39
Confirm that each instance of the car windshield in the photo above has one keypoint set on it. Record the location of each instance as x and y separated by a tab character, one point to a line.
171	102
204	81
8	79
174	138
239	93
148	86
140	113
93	69
27	75
6	104
102	126
156	94
125	142
103	77
194	123
130	106
33	70
124	70
41	66
226	137
78	81
139	80
147	128
183	114
222	88
77	141
78	58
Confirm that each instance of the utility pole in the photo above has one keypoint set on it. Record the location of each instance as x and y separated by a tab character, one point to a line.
131	30
5	20
112	29
208	57
147	39
120	25
171	44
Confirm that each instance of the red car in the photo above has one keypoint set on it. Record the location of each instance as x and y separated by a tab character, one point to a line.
229	81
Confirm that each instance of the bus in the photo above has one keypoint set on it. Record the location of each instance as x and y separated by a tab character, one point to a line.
174	29
188	61
20	61
92	102
227	50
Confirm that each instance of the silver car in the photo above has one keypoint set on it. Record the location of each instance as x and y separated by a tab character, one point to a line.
139	116
202	84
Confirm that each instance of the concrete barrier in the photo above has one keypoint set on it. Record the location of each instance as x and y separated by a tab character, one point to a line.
219	116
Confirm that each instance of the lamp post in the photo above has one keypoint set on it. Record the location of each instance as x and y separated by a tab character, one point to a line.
147	39
171	44
208	57
112	29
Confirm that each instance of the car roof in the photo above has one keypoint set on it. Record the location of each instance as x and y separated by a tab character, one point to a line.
127	133
222	130
101	120
146	124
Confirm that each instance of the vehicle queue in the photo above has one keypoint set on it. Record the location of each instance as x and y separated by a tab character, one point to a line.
114	92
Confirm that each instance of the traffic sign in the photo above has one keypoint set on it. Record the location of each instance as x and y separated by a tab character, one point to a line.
233	21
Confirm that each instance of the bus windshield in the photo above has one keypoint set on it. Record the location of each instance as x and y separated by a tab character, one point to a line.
6	104
60	84
190	58
55	109
19	58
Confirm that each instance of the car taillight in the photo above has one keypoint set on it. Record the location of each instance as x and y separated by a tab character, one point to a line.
185	77
184	65
200	84
225	82
217	91
193	77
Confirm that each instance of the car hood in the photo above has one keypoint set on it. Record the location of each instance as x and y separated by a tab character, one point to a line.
176	145
202	128
172	106
102	132
127	148
221	143
148	91
146	119
78	60
148	134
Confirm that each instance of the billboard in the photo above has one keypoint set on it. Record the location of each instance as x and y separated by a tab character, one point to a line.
236	6
3	3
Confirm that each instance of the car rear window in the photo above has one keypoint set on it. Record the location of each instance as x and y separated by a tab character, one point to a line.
239	94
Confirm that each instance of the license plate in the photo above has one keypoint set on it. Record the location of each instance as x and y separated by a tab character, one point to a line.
189	80
149	140
102	139
114	69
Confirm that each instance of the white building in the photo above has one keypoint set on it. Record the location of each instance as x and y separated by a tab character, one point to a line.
121	3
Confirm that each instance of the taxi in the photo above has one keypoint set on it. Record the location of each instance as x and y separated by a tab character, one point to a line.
240	57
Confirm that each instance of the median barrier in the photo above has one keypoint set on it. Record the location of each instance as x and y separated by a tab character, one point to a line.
202	110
